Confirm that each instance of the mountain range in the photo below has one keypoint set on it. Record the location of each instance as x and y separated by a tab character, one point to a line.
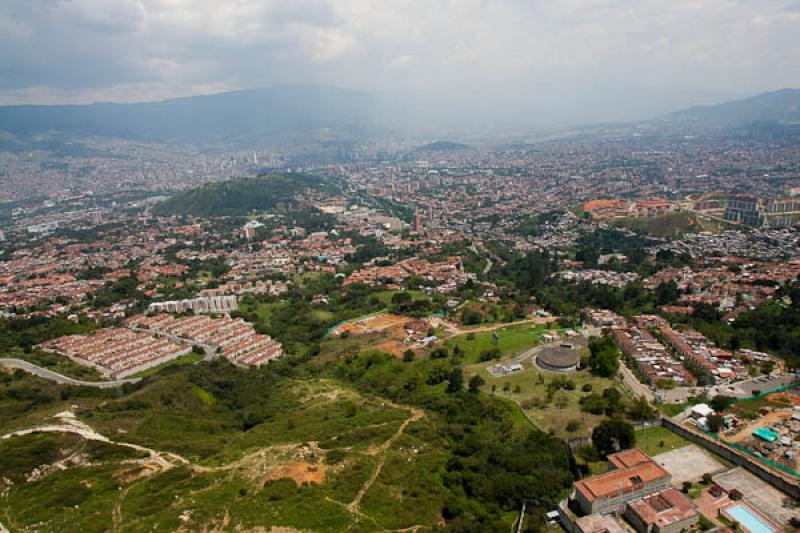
781	107
211	118
259	114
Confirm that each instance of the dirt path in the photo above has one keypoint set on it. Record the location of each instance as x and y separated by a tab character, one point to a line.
116	513
70	424
355	506
746	430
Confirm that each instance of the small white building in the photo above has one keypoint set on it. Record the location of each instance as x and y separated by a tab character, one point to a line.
701	410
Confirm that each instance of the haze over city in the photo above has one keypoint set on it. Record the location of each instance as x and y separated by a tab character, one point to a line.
512	61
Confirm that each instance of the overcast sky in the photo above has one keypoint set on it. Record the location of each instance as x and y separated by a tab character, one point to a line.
604	59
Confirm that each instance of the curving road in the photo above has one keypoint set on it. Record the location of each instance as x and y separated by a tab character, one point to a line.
60	378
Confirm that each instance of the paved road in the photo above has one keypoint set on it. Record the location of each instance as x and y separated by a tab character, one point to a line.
209	349
739	390
60	378
634	384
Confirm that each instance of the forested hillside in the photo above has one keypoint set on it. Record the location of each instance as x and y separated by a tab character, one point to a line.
241	196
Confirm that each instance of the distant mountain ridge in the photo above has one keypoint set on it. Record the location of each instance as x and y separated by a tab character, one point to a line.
781	107
200	118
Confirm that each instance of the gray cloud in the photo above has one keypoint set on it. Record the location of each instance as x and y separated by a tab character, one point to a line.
599	59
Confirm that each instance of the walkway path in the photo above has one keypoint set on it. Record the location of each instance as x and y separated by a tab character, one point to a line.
67	423
636	387
60	378
355	506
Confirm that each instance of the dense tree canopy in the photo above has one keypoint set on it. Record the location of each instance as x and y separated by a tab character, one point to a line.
613	435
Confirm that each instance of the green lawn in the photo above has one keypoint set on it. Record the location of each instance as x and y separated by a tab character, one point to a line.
511	341
656	440
386	296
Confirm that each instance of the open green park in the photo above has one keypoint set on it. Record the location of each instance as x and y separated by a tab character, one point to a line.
499	343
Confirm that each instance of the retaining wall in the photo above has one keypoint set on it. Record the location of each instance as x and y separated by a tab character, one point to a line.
780	481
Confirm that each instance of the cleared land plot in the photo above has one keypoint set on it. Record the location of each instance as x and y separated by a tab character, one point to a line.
371	324
688	464
761	495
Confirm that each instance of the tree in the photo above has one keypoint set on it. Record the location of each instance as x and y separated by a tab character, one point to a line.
439	353
667	293
604	357
456	381
715	423
470	317
612	435
641	409
408	355
721	402
475	383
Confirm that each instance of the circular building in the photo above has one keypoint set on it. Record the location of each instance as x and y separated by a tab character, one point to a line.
558	358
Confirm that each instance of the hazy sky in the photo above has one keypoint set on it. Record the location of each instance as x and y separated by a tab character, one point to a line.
601	58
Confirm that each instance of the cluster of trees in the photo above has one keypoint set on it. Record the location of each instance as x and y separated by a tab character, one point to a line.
405	304
241	196
773	327
608	403
603	356
490	468
368	248
604	241
613	435
25	333
295	321
122	289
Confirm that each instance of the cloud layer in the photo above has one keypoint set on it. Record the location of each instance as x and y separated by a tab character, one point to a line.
598	58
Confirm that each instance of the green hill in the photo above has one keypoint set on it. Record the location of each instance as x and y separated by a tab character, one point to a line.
369	443
241	196
442	146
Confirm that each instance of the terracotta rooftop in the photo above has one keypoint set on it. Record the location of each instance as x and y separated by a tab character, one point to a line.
631	468
663	508
628	458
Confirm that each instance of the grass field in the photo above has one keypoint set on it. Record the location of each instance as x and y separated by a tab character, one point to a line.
673	224
549	416
511	341
656	440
